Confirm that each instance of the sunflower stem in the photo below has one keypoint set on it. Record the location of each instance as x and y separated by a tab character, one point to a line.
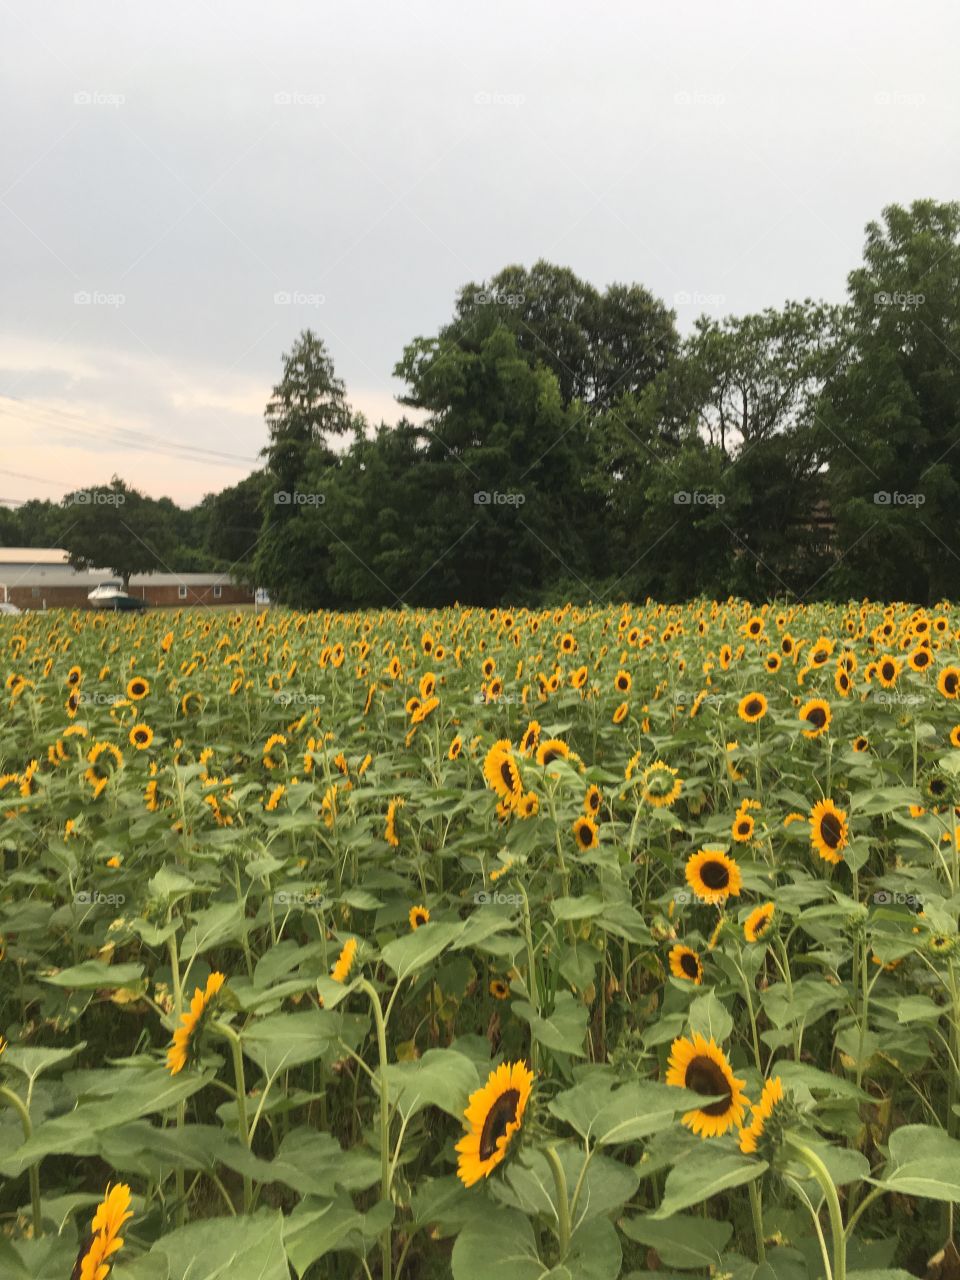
8	1095
238	1075
756	1209
563	1203
532	985
822	1175
386	1240
179	1182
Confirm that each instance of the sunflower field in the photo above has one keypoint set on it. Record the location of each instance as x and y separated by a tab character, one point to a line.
573	943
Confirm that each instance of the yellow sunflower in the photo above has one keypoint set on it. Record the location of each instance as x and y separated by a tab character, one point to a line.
499	989
770	1099
552	749
141	736
714	876
686	964
817	715
112	1212
752	708
828	830
341	970
501	772
585	830
887	670
184	1038
138	688
493	1115
701	1066
418	916
660	785
758	922
948	683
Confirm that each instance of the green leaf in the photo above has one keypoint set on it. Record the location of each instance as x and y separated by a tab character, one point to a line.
923	1161
708	1016
410	953
697	1178
93	974
576	908
33	1062
441	1078
220	923
504	1247
564	1030
316	1228
683	1241
224	1248
606	1116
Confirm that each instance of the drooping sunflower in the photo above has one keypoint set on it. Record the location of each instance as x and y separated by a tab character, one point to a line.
585	830
531	736
620	713
112	1212
456	747
390	834
713	875
191	1024
770	1098
660	784
752	707
494	1113
817	715
829	833
686	964
701	1066
138	688
418	916
758	922
552	749
501	772
341	970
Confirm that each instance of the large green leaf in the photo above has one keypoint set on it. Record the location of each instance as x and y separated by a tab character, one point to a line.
218	1249
564	1030
441	1078
93	974
923	1161
682	1241
606	1113
415	950
697	1178
501	1248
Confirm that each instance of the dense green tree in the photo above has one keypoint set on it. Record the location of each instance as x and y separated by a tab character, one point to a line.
891	412
305	414
233	520
115	527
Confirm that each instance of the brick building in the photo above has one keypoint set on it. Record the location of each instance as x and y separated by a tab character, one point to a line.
42	578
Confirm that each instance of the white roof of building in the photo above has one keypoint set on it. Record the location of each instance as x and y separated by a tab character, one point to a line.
48	567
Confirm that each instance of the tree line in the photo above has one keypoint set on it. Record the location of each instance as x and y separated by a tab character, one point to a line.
568	443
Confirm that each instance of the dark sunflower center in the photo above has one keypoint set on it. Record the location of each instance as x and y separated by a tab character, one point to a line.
705	1077
689	965
506	773
950	683
743	828
754	707
550	756
585	835
830	830
817	717
715	876
888	670
937	787
502	1113
921	659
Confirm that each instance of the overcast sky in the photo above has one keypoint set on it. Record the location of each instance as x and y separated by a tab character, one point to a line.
185	186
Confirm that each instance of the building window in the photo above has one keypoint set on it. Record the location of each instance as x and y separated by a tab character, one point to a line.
182	592
35	592
217	591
